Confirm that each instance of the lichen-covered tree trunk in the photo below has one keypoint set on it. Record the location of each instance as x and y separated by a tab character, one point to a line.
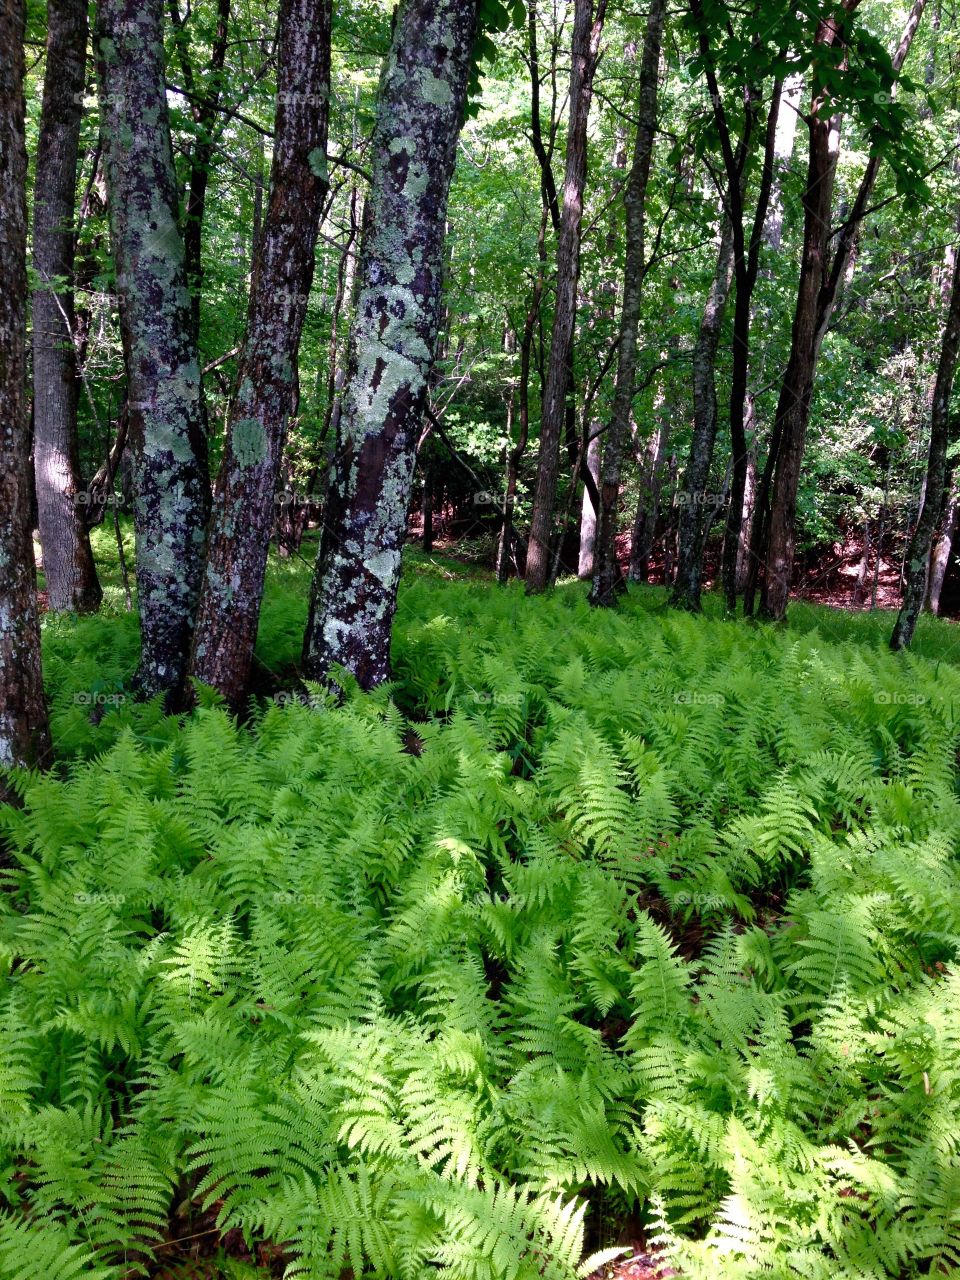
243	519
584	51
68	565
918	557
24	735
167	429
608	580
419	113
693	496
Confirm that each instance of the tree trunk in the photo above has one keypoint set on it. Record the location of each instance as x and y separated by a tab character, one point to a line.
918	558
816	299
427	507
240	531
648	504
515	454
860	585
585	48
694	496
745	264
68	565
747	272
793	408
167	429
787	116
608	580
588	516
24	735
749	500
201	154
941	552
419	113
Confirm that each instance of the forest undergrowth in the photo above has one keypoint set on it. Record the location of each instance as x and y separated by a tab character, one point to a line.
591	924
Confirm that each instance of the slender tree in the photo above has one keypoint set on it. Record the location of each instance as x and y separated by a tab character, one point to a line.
419	114
585	49
71	575
820	281
691	534
204	105
607	579
921	544
167	429
24	735
243	519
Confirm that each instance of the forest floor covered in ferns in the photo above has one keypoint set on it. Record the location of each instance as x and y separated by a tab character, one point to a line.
595	928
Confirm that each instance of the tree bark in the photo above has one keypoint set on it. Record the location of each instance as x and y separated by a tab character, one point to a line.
419	114
918	557
201	154
239	540
167	430
942	550
585	48
746	274
793	408
24	733
692	525
608	579
788	110
744	265
71	575
749	501
816	299
515	452
588	515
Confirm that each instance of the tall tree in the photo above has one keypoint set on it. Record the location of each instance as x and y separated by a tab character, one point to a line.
918	557
24	735
693	524
796	389
584	51
167	429
608	580
204	106
419	113
243	519
67	557
820	281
